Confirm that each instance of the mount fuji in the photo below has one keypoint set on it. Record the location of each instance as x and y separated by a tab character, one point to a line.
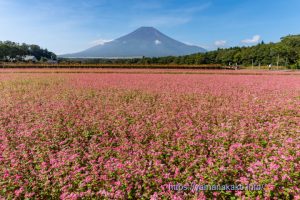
145	41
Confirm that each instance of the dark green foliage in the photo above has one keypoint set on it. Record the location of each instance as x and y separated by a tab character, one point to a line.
284	53
15	50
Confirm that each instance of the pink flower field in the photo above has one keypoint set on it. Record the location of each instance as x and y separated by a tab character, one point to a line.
133	136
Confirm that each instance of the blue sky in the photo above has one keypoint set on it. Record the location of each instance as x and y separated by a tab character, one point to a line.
66	26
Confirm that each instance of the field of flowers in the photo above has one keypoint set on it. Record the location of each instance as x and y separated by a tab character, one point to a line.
131	136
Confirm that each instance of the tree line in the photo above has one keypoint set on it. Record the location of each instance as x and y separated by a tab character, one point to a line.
284	53
15	50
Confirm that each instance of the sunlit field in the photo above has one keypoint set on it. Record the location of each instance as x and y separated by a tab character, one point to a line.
122	135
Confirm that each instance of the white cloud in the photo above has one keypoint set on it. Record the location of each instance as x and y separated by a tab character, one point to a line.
220	43
192	44
157	42
100	42
255	39
189	43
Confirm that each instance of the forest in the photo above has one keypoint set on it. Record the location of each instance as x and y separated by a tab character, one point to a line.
15	50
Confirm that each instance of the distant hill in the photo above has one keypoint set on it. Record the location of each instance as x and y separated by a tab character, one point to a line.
145	41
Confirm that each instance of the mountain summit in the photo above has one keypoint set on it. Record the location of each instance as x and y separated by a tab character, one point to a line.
145	41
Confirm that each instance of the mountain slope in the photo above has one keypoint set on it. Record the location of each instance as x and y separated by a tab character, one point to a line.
145	41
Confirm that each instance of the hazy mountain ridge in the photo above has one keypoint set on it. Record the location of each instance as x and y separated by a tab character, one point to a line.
145	41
